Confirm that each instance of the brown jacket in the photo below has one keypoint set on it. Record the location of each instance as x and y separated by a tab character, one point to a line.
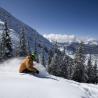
27	64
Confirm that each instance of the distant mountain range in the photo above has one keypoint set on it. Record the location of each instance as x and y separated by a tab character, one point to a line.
71	43
89	48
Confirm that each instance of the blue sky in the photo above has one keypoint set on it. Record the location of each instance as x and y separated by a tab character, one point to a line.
77	17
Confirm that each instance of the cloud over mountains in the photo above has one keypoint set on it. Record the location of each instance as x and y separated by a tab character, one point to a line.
69	38
60	37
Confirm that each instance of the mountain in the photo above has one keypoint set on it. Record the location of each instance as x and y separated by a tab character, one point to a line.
18	85
71	42
15	26
90	47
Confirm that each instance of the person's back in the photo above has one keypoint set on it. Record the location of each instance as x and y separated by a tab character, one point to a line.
27	66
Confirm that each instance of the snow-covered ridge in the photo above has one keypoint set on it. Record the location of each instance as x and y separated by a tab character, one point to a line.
16	85
16	25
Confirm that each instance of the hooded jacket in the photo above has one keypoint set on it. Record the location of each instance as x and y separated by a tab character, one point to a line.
27	64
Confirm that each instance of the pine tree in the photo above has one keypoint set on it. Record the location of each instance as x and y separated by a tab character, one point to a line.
35	49
23	43
17	51
90	69
29	50
79	64
55	47
64	50
0	50
6	43
50	55
43	57
63	67
95	72
69	67
53	67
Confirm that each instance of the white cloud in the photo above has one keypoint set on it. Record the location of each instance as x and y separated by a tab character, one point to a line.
60	37
68	38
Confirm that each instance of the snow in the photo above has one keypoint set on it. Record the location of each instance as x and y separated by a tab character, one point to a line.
19	85
1	22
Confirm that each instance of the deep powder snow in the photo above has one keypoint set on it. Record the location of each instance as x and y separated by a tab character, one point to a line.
16	85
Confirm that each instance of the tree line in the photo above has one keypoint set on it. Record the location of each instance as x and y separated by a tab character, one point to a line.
6	44
79	69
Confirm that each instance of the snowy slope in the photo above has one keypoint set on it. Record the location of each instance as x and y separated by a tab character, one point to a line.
17	25
16	85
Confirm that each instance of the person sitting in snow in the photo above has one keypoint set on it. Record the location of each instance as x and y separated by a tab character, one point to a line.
27	65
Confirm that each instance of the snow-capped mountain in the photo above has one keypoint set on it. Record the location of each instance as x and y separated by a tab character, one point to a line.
71	42
15	26
89	48
92	42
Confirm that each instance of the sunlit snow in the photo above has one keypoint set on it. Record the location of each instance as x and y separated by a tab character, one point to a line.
16	85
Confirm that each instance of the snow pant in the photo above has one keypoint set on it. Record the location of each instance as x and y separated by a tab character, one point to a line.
31	72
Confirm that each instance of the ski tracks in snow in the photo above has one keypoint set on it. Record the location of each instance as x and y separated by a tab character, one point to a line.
90	89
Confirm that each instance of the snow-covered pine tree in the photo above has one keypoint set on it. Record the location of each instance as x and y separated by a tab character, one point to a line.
35	48
17	51
51	52
55	47
43	56
0	50
90	69
63	67
95	72
23	43
53	66
50	55
93	78
79	64
64	50
70	67
29	50
6	43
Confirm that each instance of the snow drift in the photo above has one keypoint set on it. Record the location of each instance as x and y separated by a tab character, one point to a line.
16	85
11	65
